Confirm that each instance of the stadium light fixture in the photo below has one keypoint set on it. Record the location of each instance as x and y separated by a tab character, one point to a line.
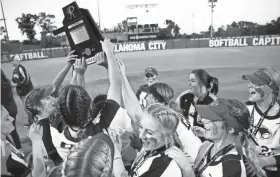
4	19
212	5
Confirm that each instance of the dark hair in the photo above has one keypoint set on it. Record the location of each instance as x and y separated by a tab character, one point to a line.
97	104
208	81
74	105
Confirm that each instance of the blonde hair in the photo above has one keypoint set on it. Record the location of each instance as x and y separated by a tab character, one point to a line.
169	120
274	75
91	157
162	92
251	154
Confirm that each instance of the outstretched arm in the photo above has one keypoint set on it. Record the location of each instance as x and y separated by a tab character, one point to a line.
74	78
129	98
114	92
35	134
62	74
80	70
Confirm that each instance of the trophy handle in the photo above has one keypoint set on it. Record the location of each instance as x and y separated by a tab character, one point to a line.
58	31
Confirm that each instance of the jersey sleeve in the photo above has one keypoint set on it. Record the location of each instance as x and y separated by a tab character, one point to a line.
190	142
163	167
121	122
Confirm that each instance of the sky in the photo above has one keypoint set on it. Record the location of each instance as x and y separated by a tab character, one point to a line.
190	15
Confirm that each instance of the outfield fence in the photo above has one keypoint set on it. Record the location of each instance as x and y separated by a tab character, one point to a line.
9	51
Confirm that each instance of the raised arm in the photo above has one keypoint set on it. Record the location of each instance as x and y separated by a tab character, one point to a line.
74	78
62	74
129	98
35	134
114	92
80	70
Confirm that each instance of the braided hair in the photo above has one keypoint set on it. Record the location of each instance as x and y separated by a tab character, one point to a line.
91	157
169	120
244	142
74	105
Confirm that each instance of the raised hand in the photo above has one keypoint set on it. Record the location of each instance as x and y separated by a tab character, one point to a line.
116	140
35	132
71	58
135	142
121	66
179	157
80	66
100	59
198	131
107	46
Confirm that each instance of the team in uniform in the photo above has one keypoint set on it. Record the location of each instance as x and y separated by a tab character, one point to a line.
147	133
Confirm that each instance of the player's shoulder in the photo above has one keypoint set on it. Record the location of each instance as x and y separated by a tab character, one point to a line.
144	88
187	95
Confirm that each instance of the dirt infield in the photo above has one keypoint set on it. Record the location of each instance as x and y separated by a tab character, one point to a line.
174	66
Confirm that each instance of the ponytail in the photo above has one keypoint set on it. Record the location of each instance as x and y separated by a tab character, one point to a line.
214	85
211	83
177	141
251	157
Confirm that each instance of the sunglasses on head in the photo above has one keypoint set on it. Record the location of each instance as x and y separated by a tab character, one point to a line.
148	75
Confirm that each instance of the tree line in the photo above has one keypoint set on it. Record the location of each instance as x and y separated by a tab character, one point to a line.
27	22
241	28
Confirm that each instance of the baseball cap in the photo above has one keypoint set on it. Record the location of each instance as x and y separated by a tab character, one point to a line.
15	60
260	77
151	70
33	98
219	110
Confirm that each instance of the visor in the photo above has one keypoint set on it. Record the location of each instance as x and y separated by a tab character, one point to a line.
261	78
218	110
33	98
151	70
15	61
253	79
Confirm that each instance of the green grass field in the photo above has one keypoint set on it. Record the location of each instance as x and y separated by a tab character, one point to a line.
174	66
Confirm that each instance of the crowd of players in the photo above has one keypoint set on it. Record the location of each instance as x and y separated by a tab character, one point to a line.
144	134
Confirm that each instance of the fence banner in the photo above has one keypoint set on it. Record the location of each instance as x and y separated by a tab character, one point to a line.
140	46
29	55
243	42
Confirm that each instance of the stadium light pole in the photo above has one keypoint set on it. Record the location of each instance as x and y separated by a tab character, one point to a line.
98	14
4	19
193	22
212	12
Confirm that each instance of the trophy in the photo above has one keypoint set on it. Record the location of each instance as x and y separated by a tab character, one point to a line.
82	33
